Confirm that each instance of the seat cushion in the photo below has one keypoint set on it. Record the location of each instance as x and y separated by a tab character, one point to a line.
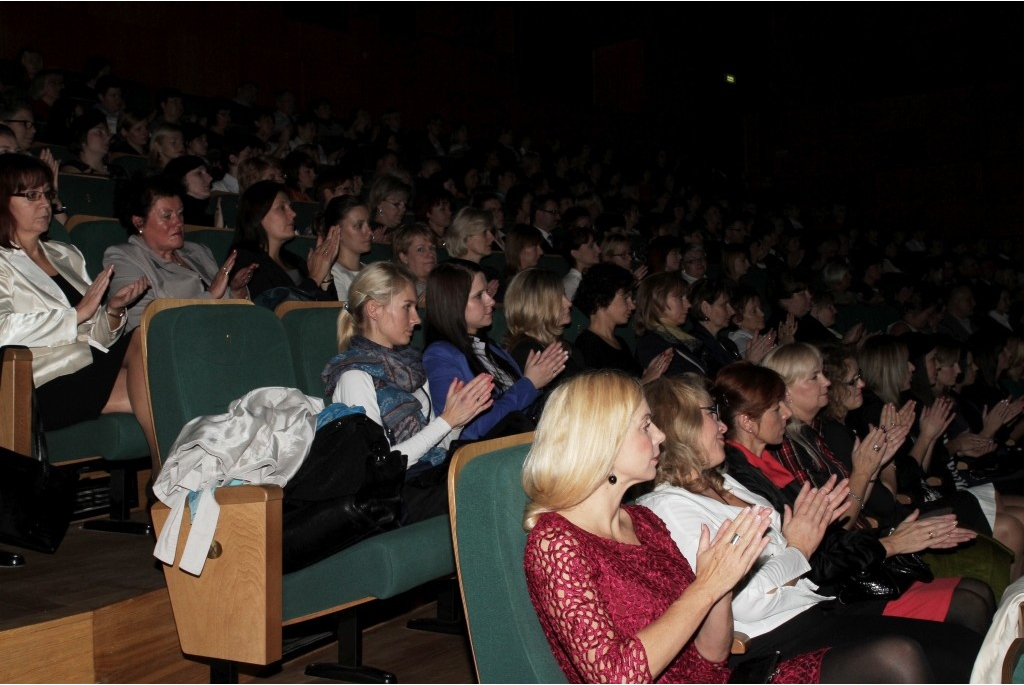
382	566
115	437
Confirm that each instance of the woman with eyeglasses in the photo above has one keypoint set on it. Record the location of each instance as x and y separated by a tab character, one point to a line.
615	598
18	116
763	433
85	360
387	201
784	603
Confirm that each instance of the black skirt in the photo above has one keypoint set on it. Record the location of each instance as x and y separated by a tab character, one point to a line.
81	396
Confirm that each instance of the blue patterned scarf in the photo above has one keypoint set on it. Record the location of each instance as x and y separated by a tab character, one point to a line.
396	374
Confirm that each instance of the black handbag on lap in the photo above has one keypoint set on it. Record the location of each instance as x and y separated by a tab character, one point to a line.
348	488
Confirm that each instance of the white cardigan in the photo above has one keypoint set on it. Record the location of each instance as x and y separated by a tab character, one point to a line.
764	601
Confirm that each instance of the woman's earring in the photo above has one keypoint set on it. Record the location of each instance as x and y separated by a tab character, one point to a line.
612	479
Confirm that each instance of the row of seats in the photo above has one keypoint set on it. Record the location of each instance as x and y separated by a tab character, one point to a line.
200	355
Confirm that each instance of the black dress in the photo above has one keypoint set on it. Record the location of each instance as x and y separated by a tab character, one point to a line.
269	275
597	354
81	396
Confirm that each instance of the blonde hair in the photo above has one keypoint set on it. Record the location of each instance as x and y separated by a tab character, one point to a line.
533	307
379	282
676	409
466	224
581	430
794	362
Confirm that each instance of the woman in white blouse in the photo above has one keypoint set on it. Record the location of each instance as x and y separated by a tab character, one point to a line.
776	605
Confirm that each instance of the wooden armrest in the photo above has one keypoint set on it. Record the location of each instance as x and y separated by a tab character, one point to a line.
16	400
739	643
232	610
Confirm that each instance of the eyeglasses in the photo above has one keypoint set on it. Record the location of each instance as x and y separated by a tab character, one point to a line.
695	260
854	381
394	204
550	211
33	195
712	411
619	255
27	123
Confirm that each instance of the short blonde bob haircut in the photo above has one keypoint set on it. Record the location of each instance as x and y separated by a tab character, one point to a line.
533	307
676	409
794	362
379	282
466	224
581	430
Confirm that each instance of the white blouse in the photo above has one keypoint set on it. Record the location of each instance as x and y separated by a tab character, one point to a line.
763	601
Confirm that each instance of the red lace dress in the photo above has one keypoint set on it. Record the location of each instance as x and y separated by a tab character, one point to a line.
593	595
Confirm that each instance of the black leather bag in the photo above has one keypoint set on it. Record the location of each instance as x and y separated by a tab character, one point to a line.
37	499
348	488
886	581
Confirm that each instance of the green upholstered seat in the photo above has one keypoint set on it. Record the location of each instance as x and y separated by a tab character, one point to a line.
115	437
219	240
985	558
204	354
87	194
305	212
379	252
93	237
382	566
554	262
508	643
312	329
300	245
577	324
201	358
228	207
499	326
132	164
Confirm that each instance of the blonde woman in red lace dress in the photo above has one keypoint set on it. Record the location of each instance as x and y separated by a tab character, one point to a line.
616	599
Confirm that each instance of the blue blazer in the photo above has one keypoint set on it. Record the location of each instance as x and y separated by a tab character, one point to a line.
444	362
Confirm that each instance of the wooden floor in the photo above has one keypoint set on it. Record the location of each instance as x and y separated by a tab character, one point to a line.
114	580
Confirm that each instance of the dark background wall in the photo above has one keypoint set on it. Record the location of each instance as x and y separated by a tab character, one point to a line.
909	114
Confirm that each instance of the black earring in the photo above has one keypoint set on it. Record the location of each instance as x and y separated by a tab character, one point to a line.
612	479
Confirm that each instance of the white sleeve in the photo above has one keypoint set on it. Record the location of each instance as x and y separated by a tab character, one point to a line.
355	388
765	593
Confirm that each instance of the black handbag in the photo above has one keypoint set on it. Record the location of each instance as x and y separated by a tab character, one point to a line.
887	580
37	499
762	669
348	488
